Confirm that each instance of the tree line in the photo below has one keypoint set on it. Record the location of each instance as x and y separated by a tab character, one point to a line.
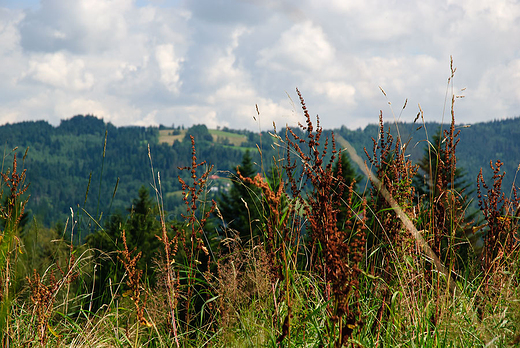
71	166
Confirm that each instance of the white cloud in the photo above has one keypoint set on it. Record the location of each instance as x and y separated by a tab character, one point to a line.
117	111
59	71
376	20
169	65
81	106
338	92
500	14
498	92
9	34
207	117
148	120
79	26
304	46
206	61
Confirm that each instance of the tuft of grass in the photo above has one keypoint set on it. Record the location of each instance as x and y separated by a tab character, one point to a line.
12	211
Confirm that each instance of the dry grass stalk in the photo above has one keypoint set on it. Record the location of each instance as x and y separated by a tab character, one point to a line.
44	295
396	172
337	251
197	254
170	251
501	213
278	210
11	214
408	224
133	279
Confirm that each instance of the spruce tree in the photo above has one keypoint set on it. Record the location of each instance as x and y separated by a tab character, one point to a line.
348	172
140	227
443	199
425	181
241	206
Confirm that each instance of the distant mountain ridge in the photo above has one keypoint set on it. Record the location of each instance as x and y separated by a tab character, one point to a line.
66	167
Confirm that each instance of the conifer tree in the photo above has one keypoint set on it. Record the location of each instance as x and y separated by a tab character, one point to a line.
443	198
425	181
141	227
348	172
241	206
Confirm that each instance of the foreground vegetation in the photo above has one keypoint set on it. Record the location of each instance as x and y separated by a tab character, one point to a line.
311	258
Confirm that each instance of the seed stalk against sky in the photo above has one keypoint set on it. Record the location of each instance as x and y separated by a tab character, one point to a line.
149	62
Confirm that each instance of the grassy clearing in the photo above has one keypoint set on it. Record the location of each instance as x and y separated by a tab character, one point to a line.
165	136
229	138
233	138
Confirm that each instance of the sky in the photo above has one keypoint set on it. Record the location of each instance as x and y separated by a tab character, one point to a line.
180	62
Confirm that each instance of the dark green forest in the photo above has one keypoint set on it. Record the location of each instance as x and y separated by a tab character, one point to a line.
95	168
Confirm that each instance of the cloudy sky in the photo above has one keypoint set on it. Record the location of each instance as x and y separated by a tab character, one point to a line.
150	62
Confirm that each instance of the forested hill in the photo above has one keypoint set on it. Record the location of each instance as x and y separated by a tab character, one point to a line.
60	160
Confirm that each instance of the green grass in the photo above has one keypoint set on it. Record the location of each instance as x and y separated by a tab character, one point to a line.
164	137
234	140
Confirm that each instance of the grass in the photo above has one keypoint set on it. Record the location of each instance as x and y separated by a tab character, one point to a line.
393	269
231	139
165	136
